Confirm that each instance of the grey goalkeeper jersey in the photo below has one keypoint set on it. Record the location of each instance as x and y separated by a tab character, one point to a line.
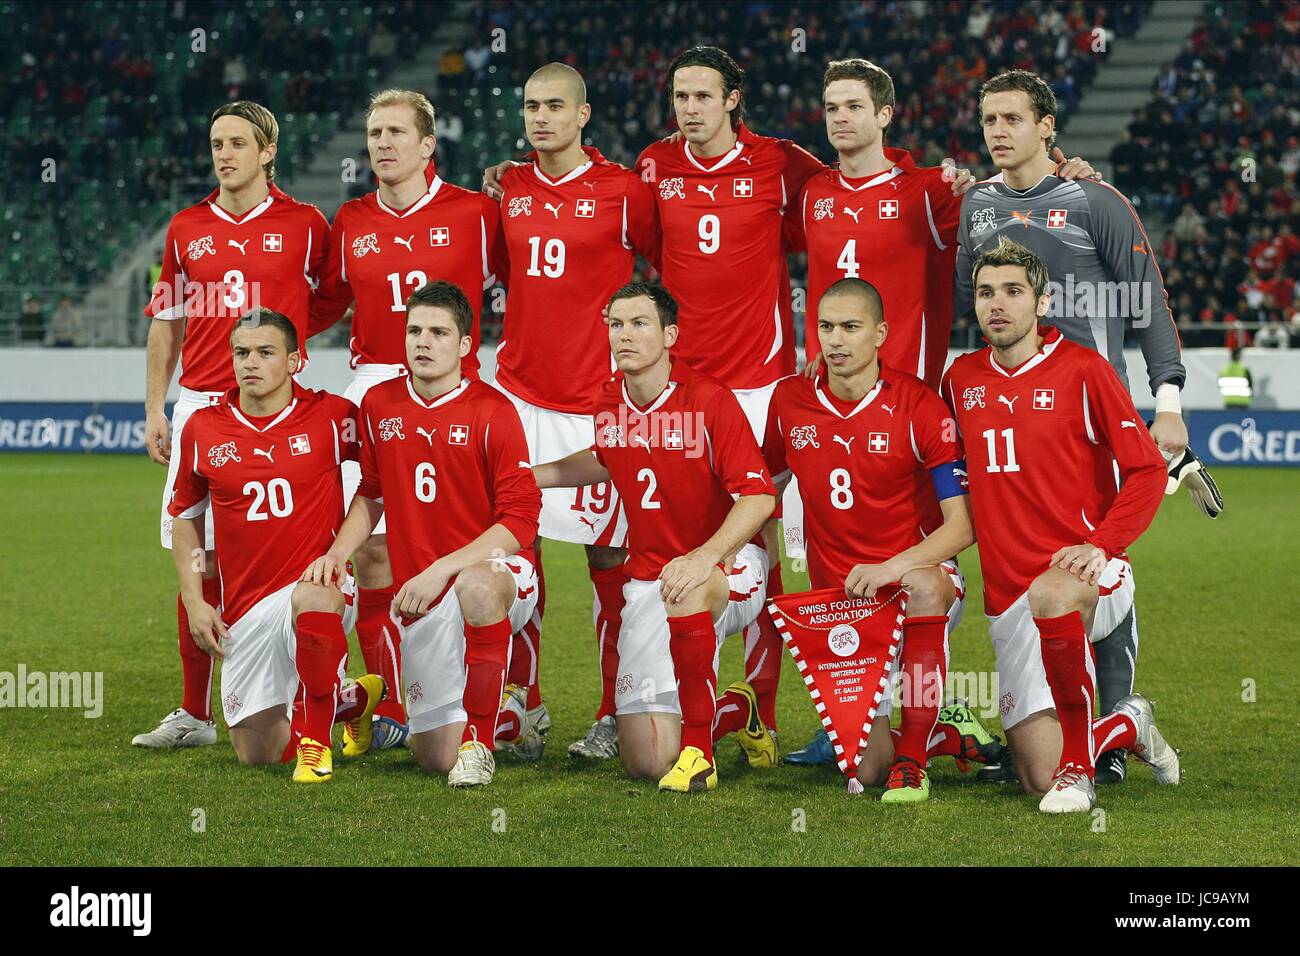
1103	274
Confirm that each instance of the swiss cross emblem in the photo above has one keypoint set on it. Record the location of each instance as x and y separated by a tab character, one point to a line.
272	242
673	439
878	442
742	188
1056	218
585	209
1043	398
889	209
458	435
299	444
439	236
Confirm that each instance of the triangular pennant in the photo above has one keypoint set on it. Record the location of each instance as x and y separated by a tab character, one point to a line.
846	649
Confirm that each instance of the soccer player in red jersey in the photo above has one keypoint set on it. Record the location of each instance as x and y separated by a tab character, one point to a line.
412	229
722	193
264	463
572	224
1033	407
884	486
444	457
246	244
678	449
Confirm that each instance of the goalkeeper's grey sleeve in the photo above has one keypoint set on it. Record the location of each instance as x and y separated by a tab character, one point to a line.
963	289
1126	251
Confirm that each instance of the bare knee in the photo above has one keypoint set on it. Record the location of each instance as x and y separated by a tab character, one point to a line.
605	559
929	592
480	589
315	597
644	765
1056	593
370	561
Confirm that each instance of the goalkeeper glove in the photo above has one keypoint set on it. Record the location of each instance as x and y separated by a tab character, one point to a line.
1188	470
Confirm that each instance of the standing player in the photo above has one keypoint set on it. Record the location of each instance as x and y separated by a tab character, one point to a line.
572	223
414	228
883	479
876	215
444	456
265	463
1104	276
1034	407
246	243
677	448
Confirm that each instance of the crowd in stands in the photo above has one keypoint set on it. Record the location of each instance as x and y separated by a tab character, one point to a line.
1218	150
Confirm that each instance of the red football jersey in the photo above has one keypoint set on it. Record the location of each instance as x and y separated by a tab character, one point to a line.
378	256
863	470
897	231
445	470
677	464
569	245
723	253
1046	445
216	267
276	488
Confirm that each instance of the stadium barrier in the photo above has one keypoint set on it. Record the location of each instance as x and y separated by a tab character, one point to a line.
89	400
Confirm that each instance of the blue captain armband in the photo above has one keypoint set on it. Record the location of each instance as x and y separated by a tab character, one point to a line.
949	479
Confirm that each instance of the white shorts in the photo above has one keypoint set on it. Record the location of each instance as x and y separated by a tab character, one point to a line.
587	515
260	669
366	378
754	402
187	404
433	650
647	682
886	705
1022	683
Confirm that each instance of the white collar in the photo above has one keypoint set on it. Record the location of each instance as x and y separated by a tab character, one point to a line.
441	399
727	157
867	399
415	206
234	408
567	177
876	180
252	214
1038	359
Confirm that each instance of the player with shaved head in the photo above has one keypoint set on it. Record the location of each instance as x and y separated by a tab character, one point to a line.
572	224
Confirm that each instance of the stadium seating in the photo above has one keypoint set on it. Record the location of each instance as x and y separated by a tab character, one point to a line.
118	95
1218	147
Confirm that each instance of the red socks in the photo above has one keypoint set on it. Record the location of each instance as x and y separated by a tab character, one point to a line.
764	651
381	646
608	612
351	703
1115	731
730	711
322	656
526	645
486	652
692	643
1067	660
924	672
196	665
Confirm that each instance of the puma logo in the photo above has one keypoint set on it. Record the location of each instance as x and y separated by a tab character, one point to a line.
641	438
258	451
748	160
1127	424
591	186
238	245
427	435
588	522
757	475
1021	217
853	212
405	242
1009	402
709	191
555	210
888	408
848	445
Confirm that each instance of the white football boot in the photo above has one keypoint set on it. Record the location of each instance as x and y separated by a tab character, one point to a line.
1151	748
1071	791
474	766
529	745
178	729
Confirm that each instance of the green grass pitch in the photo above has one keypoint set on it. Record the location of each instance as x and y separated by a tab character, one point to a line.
85	587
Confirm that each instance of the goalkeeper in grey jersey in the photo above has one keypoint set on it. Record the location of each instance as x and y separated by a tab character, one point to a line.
1104	280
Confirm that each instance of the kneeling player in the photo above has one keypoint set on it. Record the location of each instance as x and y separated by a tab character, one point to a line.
286	642
682	457
882	475
1034	407
445	459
